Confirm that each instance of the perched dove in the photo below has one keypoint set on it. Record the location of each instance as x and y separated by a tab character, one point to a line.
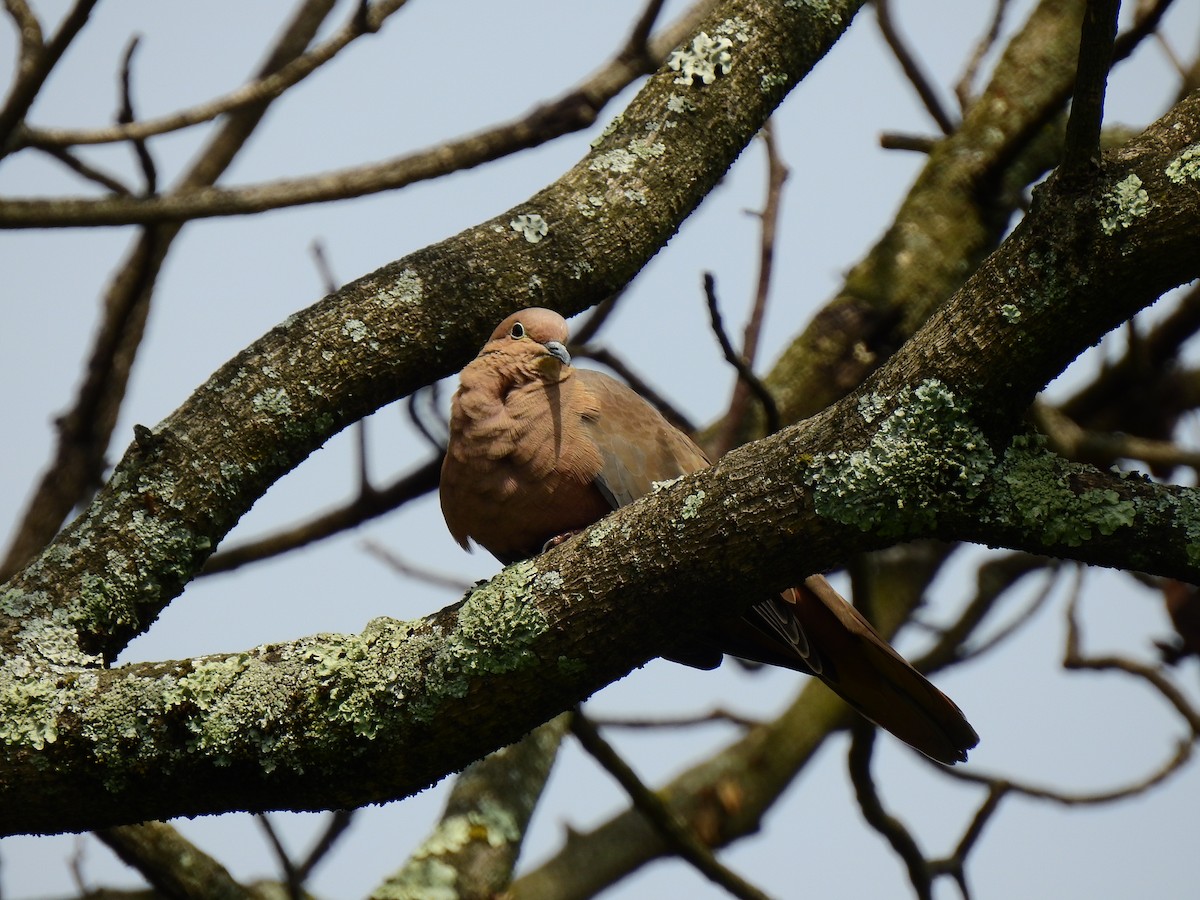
539	449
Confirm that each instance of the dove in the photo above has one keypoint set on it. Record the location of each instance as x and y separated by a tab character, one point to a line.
540	449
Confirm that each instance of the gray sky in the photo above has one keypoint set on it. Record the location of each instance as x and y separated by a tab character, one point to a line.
438	70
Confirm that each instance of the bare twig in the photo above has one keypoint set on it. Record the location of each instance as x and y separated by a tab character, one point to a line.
88	171
265	87
1178	758
916	143
575	110
637	48
596	318
85	430
716	715
420	573
1081	148
889	827
291	876
126	114
36	65
668	823
745	374
965	89
430	394
1023	617
912	68
1101	448
1073	658
777	174
416	483
338	821
324	269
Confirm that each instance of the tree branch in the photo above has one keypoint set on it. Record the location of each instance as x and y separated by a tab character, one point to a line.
575	110
1081	151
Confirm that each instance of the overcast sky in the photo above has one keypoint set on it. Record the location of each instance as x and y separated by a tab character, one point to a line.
438	70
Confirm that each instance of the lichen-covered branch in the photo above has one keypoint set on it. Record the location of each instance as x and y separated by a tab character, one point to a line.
925	448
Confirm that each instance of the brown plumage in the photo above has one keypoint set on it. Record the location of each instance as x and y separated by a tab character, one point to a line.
539	449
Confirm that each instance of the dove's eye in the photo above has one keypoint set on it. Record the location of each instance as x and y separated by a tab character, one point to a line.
518	331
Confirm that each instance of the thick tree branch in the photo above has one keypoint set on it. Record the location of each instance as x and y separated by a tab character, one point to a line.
923	449
85	430
393	331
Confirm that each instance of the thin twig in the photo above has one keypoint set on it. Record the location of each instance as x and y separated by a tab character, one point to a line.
394	561
338	821
752	381
431	393
965	89
324	269
85	431
1081	146
1179	758
291	876
1104	448
1073	658
264	87
1019	621
736	415
36	68
637	48
912	68
88	171
673	829
716	715
416	483
862	742
578	108
597	317
126	114
916	143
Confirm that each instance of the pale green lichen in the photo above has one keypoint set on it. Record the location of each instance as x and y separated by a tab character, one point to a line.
1124	204
1011	313
925	453
405	288
677	103
705	58
531	226
619	160
423	879
272	401
735	27
1186	166
692	504
770	82
599	533
30	705
624	160
356	330
207	681
488	823
1032	489
1185	511
493	634
608	129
